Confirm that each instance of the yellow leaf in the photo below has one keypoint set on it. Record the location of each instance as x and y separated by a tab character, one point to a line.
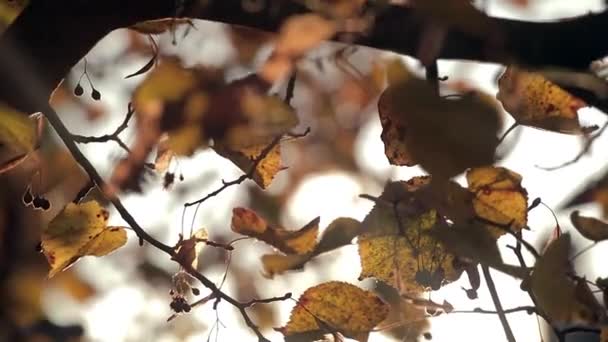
444	136
247	222
79	230
336	307
499	197
534	101
589	227
551	280
244	158
395	247
17	130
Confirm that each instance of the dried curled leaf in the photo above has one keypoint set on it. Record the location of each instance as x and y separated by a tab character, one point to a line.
265	170
394	246
499	197
444	136
555	291
535	101
336	307
188	250
589	227
247	222
339	233
79	230
17	130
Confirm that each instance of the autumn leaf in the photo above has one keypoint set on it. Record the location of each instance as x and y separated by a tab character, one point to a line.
247	222
336	307
17	130
394	247
339	233
499	197
535	101
475	244
589	227
551	279
444	136
188	250
79	230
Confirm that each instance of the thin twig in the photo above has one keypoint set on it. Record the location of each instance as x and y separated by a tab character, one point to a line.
499	310
584	151
527	308
267	300
432	76
83	139
250	172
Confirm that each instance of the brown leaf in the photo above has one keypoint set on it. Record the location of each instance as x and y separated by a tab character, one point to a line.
339	233
265	169
589	227
247	222
444	136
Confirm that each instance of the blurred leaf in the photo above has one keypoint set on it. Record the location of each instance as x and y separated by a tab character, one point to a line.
444	136
247	222
301	33
534	101
336	307
17	130
405	321
144	68
551	280
459	15
79	230
339	233
394	246
475	243
589	227
499	197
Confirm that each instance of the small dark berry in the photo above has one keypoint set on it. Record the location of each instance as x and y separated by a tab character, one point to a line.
45	204
195	291
27	197
37	202
428	336
78	91
95	94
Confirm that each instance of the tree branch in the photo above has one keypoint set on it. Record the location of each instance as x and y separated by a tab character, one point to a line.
54	38
499	310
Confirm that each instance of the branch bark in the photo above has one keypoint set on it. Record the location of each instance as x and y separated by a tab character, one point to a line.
53	38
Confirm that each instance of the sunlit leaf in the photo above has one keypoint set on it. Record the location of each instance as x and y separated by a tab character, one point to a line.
499	197
534	101
589	227
264	171
444	136
339	233
395	247
247	222
79	230
336	307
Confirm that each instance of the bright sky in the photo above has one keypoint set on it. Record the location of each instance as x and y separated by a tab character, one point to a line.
125	305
